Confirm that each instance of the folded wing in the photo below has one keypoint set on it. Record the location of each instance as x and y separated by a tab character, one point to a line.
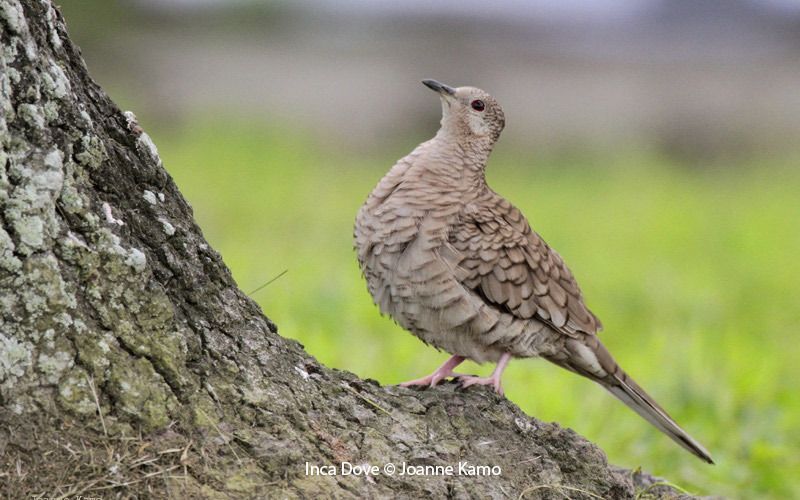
503	260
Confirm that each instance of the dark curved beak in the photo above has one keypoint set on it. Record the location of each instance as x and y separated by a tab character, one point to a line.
439	87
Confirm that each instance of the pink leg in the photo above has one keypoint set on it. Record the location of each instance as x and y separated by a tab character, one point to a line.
493	380
440	374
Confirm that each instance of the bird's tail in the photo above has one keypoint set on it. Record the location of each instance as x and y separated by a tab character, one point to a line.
591	359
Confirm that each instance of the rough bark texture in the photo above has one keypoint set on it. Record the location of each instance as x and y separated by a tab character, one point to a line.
131	364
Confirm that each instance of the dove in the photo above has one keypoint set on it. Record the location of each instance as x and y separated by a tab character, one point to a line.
457	265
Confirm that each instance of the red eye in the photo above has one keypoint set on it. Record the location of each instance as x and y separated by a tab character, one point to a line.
478	105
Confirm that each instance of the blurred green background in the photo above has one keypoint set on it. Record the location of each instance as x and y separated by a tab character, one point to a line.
652	143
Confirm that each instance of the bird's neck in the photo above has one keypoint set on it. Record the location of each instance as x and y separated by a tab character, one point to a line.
463	159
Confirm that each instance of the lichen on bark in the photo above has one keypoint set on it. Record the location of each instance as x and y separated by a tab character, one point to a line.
71	285
131	362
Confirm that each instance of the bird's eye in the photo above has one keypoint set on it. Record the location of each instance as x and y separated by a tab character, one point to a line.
478	105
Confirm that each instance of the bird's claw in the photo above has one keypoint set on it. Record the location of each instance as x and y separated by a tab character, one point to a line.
468	380
431	380
441	373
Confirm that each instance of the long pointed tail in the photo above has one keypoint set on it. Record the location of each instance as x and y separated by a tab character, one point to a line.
591	359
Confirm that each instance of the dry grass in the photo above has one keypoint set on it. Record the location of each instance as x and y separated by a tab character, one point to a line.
562	489
90	464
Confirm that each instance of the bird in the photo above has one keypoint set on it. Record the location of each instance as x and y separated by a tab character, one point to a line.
457	265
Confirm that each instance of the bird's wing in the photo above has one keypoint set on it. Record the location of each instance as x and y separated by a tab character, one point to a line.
504	261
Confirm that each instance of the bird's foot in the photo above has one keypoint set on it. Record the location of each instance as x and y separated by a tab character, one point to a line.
468	380
431	380
441	373
494	380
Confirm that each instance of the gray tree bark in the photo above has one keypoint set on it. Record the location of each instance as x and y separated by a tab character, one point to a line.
132	366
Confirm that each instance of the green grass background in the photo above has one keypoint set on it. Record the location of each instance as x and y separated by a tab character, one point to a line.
694	273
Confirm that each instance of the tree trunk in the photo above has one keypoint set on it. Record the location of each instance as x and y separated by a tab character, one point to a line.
132	365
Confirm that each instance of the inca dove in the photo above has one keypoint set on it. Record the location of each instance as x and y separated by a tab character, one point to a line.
457	265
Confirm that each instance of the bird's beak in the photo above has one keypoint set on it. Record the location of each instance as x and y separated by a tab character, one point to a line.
441	88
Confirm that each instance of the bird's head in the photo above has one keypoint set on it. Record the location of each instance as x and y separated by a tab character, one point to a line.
469	113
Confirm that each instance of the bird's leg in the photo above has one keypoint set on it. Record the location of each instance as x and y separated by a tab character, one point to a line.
493	380
440	374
